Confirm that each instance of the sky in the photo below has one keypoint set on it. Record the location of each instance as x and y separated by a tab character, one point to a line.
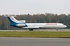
34	6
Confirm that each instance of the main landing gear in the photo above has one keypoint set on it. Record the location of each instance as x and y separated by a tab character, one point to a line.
30	29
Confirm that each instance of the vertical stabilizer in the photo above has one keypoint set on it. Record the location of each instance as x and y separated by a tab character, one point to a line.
12	19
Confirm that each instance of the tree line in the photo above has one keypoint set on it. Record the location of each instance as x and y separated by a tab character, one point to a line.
35	18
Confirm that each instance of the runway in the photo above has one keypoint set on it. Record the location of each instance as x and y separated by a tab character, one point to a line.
52	30
40	30
5	41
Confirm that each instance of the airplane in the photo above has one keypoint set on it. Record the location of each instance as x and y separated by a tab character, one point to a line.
22	24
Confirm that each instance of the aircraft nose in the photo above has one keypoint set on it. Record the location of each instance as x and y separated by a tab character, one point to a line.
65	26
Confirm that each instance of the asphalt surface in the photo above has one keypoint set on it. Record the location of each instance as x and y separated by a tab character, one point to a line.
8	41
40	30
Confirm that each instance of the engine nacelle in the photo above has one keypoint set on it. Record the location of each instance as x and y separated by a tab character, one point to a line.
20	25
22	21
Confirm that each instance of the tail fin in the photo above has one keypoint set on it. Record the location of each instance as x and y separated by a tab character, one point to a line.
12	19
14	22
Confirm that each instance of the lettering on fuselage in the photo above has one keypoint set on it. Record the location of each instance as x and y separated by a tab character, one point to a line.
51	24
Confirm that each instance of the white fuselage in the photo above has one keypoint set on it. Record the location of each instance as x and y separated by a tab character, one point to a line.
43	25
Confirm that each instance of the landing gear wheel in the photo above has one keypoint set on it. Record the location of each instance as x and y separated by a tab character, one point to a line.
30	29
